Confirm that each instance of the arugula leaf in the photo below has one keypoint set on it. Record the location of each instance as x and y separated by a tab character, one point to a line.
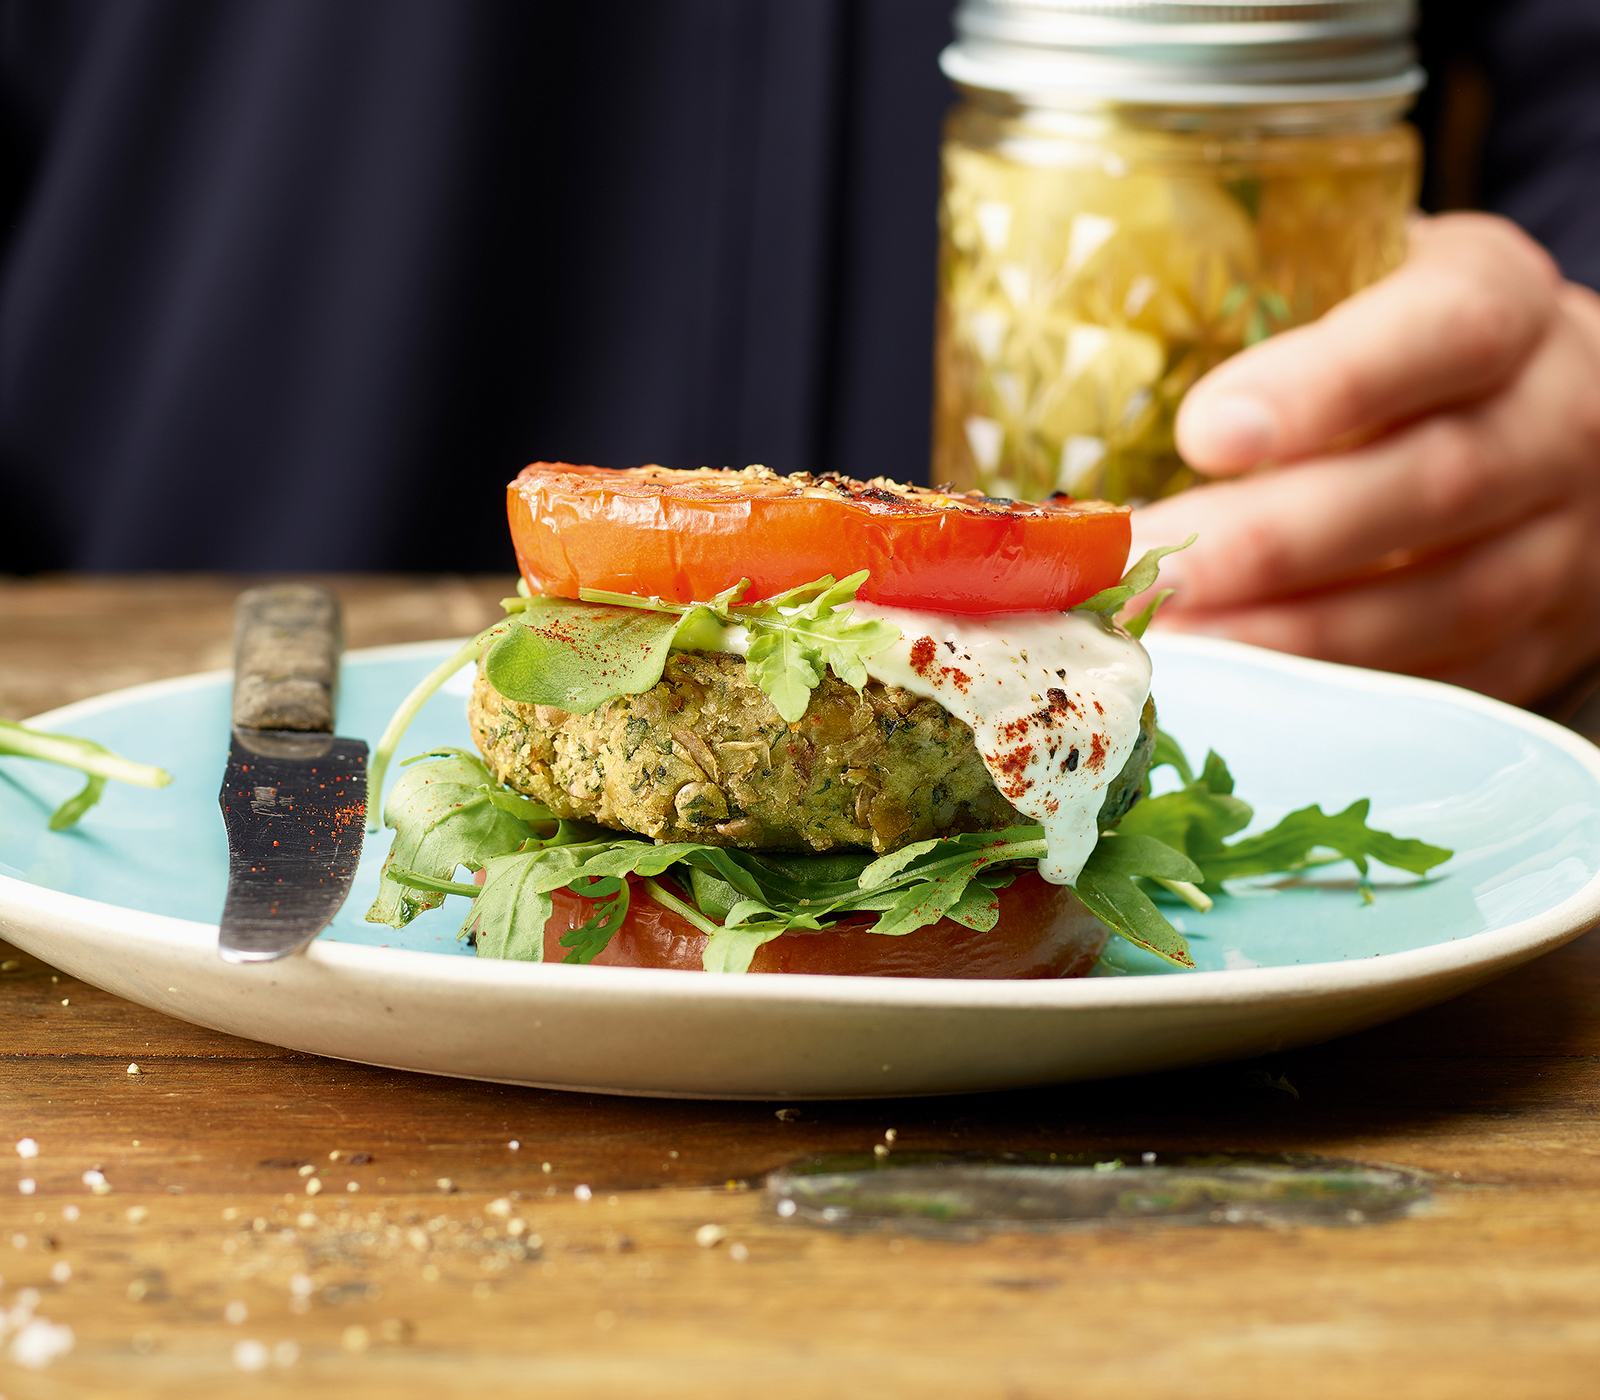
978	907
799	635
731	949
1167	753
88	757
729	946
1288	846
523	808
1106	887
75	806
786	669
713	895
1139	623
510	911
885	868
923	903
577	655
443	818
825	627
1197	817
589	940
793	640
744	899
1127	910
1108	601
1193	820
1122	854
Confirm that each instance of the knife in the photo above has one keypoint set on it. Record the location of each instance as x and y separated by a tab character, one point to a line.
294	798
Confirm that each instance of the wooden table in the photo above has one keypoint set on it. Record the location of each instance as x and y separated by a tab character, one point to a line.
207	1251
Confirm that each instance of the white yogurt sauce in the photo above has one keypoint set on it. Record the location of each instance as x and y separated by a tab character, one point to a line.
1052	698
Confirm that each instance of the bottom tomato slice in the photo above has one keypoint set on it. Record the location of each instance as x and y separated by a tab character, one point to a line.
1043	931
686	536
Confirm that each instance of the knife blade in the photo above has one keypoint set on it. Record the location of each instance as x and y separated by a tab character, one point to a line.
294	795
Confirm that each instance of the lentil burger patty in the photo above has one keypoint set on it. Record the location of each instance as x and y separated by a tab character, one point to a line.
703	756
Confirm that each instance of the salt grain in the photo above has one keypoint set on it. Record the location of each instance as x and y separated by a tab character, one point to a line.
136	1215
39	1342
445	1184
133	1069
27	1147
514	1145
27	1186
70	1212
313	1186
710	1236
60	1271
738	1253
250	1356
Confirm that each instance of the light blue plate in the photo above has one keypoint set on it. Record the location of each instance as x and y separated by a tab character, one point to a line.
128	901
1516	799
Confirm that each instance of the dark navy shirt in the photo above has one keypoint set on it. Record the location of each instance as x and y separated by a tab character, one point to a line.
291	285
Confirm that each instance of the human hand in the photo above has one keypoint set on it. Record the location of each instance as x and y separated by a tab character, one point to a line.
1433	503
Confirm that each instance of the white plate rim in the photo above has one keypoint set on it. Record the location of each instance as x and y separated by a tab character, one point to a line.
1483	952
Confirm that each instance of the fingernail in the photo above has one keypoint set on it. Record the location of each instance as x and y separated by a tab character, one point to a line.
1232	429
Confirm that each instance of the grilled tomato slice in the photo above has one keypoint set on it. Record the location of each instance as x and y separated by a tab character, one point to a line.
1043	931
685	536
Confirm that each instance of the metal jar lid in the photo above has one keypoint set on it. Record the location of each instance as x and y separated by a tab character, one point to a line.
1186	52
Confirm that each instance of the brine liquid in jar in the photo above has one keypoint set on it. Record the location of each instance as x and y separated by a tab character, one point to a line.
1094	265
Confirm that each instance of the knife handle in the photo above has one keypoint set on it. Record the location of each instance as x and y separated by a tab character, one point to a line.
287	640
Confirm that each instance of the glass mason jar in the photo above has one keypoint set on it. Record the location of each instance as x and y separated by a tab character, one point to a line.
1135	190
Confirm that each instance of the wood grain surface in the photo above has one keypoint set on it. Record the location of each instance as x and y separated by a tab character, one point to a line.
207	1264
